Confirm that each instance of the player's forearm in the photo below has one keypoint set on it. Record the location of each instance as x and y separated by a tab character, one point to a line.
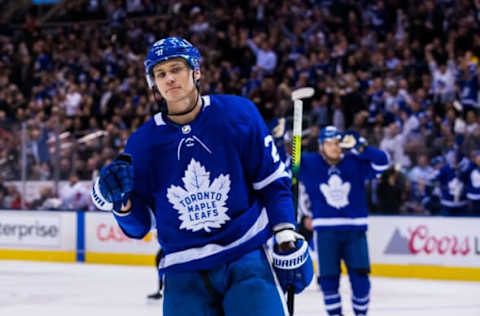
375	156
134	218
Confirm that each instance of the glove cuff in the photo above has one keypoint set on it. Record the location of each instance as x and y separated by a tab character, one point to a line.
98	199
293	260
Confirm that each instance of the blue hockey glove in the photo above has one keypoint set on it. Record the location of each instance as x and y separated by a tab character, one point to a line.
291	261
113	187
352	141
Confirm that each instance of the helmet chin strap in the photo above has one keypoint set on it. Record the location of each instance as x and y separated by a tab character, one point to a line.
163	103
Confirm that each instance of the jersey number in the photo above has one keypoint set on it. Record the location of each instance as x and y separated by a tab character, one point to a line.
269	140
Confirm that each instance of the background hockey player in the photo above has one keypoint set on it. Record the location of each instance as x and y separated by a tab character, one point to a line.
451	178
332	192
473	183
209	171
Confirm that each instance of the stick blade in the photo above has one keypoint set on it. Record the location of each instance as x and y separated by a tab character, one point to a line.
302	93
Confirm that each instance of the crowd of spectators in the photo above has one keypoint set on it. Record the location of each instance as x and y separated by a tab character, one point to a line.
404	74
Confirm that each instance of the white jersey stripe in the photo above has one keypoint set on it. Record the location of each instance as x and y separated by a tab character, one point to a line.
206	101
453	203
336	221
158	118
379	167
473	196
279	173
187	255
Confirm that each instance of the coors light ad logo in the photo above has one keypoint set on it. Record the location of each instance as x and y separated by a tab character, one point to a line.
420	240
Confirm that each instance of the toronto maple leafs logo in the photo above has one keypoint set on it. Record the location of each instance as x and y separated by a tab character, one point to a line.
201	205
455	188
336	191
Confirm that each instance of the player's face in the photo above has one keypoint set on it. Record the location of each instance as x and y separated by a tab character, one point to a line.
174	80
331	149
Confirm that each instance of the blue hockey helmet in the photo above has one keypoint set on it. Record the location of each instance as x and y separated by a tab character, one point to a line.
327	133
168	48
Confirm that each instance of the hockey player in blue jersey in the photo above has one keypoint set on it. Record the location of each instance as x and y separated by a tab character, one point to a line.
207	170
451	178
332	192
472	177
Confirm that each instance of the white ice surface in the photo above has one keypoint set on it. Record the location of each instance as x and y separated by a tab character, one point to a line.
55	289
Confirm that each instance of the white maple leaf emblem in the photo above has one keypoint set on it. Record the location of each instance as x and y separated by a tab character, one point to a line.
336	192
201	205
455	188
475	177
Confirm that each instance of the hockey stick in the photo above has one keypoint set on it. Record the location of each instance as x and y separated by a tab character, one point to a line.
297	96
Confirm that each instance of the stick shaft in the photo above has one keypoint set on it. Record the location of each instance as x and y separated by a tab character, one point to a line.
297	139
296	155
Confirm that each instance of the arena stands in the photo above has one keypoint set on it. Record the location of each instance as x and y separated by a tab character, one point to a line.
404	74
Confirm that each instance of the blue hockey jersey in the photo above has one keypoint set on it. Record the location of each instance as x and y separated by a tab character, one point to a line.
335	196
216	186
452	185
473	182
469	88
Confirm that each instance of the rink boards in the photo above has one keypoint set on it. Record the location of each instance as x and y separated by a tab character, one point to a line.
420	247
